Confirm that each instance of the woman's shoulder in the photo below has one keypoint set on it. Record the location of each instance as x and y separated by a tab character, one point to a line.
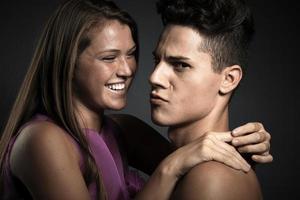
214	180
38	143
43	159
40	134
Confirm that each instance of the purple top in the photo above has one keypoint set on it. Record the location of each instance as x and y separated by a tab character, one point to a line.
120	182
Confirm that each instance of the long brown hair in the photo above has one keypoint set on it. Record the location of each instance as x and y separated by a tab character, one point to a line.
47	87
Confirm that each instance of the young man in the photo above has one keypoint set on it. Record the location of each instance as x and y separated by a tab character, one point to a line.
199	63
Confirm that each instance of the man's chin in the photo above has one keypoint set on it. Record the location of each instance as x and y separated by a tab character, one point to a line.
158	121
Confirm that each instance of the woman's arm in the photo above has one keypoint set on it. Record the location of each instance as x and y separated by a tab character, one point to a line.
46	162
211	146
146	147
206	148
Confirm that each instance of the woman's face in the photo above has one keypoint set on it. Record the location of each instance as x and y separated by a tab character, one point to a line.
184	86
106	67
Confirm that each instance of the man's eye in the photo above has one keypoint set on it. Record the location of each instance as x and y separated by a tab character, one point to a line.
180	65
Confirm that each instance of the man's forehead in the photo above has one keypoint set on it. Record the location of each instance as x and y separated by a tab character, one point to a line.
180	40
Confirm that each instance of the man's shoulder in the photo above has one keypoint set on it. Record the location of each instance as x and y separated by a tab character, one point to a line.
215	171
214	180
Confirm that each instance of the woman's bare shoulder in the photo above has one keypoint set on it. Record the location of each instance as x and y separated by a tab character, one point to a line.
40	140
43	153
40	134
213	180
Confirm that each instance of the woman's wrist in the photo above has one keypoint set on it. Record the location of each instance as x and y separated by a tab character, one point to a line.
161	183
171	167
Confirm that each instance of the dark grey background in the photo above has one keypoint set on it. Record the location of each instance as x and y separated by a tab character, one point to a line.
268	93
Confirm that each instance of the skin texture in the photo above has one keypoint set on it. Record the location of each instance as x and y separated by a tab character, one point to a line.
192	99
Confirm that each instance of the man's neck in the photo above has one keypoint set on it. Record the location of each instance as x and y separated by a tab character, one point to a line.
216	121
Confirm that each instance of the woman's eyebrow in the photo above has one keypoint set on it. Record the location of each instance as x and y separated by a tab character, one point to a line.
132	48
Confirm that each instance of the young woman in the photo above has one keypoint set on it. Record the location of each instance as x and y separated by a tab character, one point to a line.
57	143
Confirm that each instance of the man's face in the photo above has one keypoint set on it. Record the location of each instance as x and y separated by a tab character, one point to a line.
184	86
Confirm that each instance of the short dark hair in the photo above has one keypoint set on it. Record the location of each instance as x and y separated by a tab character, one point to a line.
226	25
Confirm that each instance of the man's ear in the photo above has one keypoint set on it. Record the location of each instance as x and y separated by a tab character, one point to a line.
231	78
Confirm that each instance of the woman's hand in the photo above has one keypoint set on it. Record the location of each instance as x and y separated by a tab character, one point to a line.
253	138
208	147
224	147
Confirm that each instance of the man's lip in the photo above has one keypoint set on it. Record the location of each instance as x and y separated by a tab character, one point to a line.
157	97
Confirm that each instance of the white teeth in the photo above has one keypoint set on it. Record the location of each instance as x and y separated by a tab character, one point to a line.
117	86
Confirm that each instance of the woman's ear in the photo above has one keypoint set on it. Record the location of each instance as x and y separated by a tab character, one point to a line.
231	78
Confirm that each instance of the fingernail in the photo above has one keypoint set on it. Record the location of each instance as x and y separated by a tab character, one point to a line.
248	167
235	141
235	131
241	150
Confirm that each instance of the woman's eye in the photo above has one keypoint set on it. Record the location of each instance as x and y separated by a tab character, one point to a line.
131	54
108	58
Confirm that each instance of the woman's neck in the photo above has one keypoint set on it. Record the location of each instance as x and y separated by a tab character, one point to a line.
216	121
88	118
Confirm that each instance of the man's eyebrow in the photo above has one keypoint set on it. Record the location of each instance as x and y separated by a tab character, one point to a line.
155	54
177	58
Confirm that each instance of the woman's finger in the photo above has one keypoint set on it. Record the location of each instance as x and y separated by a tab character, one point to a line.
253	138
255	148
208	148
262	158
223	136
231	154
224	152
219	156
248	128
